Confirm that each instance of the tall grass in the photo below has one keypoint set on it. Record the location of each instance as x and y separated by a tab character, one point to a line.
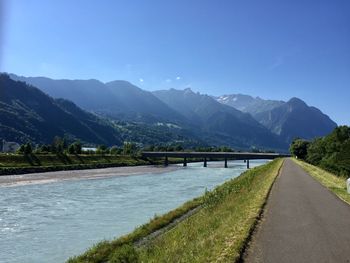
335	183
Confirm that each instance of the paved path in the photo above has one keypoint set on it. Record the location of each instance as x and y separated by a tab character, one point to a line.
303	222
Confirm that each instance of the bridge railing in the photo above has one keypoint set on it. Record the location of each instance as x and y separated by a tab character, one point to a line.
214	155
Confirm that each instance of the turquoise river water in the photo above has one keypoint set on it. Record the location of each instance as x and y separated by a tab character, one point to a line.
51	222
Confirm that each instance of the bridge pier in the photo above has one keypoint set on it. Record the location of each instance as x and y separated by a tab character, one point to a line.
185	161
247	163
225	162
205	162
166	161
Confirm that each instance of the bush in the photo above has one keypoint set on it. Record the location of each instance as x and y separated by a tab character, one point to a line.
75	148
331	152
116	150
298	148
102	149
25	149
129	148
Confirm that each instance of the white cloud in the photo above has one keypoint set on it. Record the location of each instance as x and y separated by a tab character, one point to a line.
178	78
168	80
141	80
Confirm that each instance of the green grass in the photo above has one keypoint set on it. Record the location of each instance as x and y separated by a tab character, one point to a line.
19	160
19	163
337	184
217	232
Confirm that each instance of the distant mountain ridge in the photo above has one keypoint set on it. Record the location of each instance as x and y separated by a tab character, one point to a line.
295	119
289	120
248	103
237	120
221	120
26	113
119	99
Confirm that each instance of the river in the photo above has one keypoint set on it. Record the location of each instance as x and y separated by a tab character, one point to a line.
49	222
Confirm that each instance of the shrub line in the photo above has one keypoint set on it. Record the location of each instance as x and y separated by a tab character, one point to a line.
42	169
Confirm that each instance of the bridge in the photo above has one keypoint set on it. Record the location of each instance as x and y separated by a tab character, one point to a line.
246	156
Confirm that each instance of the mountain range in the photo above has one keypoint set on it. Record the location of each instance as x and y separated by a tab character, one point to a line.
26	113
118	99
289	120
123	111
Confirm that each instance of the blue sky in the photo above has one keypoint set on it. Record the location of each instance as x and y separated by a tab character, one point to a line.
272	49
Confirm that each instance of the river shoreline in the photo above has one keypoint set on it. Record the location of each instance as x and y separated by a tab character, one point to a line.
100	173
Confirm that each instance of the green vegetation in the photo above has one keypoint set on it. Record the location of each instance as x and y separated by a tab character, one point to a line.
36	160
217	232
298	148
75	148
337	184
30	163
331	152
35	163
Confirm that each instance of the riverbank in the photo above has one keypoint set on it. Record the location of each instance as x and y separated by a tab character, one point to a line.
11	164
218	231
57	176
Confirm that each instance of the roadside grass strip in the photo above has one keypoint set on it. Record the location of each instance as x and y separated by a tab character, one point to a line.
337	184
217	232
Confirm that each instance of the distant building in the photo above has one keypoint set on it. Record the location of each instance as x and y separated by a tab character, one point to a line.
10	147
88	149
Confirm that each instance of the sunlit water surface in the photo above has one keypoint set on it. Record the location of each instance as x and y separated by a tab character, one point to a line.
51	222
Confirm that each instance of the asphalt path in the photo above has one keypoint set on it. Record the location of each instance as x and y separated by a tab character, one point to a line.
302	222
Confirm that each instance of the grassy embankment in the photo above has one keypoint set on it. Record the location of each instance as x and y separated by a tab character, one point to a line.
19	164
217	232
337	184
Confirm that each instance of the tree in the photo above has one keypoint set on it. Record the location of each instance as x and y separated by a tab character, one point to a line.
331	152
77	147
102	149
129	148
25	148
21	149
298	148
225	149
58	144
179	148
28	149
43	148
71	149
316	151
115	150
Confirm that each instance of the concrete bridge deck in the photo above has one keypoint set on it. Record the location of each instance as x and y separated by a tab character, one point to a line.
214	155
